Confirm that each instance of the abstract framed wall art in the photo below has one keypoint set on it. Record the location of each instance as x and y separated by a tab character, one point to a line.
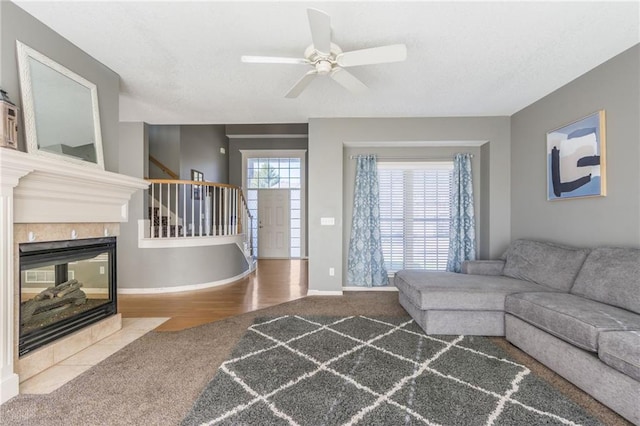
576	159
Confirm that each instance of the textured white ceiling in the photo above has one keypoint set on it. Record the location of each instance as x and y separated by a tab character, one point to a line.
180	61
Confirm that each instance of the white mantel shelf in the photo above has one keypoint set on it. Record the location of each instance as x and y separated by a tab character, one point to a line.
36	189
48	190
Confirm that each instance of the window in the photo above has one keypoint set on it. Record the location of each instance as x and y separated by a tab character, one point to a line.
46	275
415	214
273	173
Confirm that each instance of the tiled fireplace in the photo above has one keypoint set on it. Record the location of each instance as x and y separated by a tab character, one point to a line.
49	204
36	356
64	286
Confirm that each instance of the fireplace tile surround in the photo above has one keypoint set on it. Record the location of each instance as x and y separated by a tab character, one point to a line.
49	200
49	355
50	264
58	351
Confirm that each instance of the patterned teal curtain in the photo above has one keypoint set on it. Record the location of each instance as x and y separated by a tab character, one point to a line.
462	228
366	265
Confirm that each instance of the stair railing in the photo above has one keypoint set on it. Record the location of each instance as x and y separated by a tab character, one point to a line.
201	209
161	166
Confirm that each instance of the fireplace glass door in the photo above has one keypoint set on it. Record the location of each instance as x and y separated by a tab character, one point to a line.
64	286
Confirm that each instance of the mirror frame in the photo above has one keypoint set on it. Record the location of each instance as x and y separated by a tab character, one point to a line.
24	54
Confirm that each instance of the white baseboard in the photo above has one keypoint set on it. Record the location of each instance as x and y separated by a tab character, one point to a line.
9	387
359	288
190	287
324	293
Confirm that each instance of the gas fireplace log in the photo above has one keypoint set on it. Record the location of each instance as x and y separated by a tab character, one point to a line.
51	292
77	297
72	287
39	308
42	316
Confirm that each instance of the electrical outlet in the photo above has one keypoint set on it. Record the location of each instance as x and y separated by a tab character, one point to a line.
332	272
327	221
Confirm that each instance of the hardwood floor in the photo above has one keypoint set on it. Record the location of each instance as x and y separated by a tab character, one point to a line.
273	282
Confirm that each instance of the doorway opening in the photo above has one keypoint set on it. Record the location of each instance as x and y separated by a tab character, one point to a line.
274	183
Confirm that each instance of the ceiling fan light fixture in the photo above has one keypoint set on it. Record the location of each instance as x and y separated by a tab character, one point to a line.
323	67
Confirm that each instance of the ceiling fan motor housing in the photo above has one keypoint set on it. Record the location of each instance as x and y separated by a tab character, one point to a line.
316	57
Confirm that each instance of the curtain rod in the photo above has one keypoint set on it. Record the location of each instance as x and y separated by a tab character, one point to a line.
353	157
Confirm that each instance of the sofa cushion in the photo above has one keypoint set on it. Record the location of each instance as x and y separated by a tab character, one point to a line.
611	275
543	263
483	267
621	350
571	318
451	291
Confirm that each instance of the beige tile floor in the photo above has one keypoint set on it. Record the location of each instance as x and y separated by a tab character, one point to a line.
54	377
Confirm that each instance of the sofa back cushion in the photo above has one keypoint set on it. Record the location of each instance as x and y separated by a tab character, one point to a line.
611	275
544	263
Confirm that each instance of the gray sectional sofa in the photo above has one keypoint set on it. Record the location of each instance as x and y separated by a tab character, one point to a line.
575	310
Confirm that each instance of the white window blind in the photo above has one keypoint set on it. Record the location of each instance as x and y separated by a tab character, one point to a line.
414	214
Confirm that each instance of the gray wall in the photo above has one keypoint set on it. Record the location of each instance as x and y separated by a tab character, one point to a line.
484	225
16	24
200	150
327	184
175	267
612	220
185	147
163	267
417	154
164	146
248	131
134	138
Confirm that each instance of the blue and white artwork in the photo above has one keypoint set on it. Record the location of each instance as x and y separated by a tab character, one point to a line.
575	159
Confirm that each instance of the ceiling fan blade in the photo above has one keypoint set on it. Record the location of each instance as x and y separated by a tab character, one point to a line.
272	60
348	81
374	55
320	24
301	84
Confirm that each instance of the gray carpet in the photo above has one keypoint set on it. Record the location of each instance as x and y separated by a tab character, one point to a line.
156	379
304	370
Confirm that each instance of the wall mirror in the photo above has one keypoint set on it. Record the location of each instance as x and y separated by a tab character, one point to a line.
61	117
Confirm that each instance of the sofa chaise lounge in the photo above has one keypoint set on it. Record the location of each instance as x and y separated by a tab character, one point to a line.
575	310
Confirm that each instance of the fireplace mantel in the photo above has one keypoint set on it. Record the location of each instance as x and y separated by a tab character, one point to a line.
47	190
36	189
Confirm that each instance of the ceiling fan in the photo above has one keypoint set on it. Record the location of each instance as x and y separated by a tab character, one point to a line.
327	58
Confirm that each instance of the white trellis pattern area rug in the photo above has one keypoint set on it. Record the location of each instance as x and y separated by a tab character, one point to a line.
296	370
